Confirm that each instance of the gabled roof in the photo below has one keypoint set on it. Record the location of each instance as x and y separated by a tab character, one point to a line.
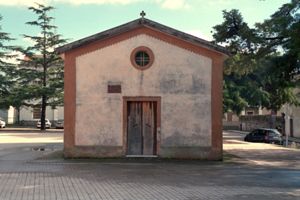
142	22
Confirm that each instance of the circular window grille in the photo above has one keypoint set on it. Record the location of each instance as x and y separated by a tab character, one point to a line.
142	57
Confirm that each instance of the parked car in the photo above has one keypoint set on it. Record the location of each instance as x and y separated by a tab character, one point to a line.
264	135
2	123
47	123
59	123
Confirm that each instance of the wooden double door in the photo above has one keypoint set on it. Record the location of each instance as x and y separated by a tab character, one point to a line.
141	127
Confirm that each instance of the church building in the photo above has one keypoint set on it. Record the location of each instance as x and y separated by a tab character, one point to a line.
143	89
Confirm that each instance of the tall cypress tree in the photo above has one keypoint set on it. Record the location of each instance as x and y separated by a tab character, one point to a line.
43	67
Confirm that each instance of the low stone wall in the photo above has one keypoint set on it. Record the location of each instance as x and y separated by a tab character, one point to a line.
31	123
236	125
251	122
28	122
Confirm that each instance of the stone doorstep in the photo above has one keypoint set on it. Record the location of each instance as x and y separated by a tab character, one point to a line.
141	156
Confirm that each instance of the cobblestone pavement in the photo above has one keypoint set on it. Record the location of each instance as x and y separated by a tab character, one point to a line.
35	171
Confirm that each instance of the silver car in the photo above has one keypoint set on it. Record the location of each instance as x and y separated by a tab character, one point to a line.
59	123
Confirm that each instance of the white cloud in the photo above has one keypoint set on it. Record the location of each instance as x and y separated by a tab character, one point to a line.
220	2
21	2
166	4
199	34
175	4
80	2
72	2
29	41
15	56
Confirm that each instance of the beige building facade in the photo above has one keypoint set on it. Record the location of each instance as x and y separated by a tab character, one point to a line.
293	123
143	89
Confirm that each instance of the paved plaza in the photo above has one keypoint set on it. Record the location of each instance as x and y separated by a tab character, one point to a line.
32	167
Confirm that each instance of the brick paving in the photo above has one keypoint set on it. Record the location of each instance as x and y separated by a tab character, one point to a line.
143	180
36	175
124	181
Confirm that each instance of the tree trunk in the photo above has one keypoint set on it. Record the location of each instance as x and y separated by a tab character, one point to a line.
43	113
18	115
44	97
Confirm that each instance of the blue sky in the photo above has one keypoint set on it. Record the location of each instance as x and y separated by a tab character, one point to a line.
80	18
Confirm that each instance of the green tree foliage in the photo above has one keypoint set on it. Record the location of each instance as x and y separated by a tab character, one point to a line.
7	69
42	69
12	90
265	59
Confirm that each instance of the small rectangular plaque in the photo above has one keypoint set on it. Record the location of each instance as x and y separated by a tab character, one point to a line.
114	89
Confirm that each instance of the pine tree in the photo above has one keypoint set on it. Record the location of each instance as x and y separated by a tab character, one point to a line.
264	61
7	69
42	66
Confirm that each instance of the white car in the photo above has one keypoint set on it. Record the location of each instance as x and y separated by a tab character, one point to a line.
47	123
2	123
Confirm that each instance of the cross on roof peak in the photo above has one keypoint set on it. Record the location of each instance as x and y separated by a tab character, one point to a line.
143	14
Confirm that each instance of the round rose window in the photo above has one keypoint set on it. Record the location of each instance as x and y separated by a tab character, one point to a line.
142	57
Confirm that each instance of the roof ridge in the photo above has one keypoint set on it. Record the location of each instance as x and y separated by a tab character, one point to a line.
137	23
189	35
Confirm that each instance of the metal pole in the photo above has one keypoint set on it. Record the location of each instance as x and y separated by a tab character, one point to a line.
287	124
286	140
